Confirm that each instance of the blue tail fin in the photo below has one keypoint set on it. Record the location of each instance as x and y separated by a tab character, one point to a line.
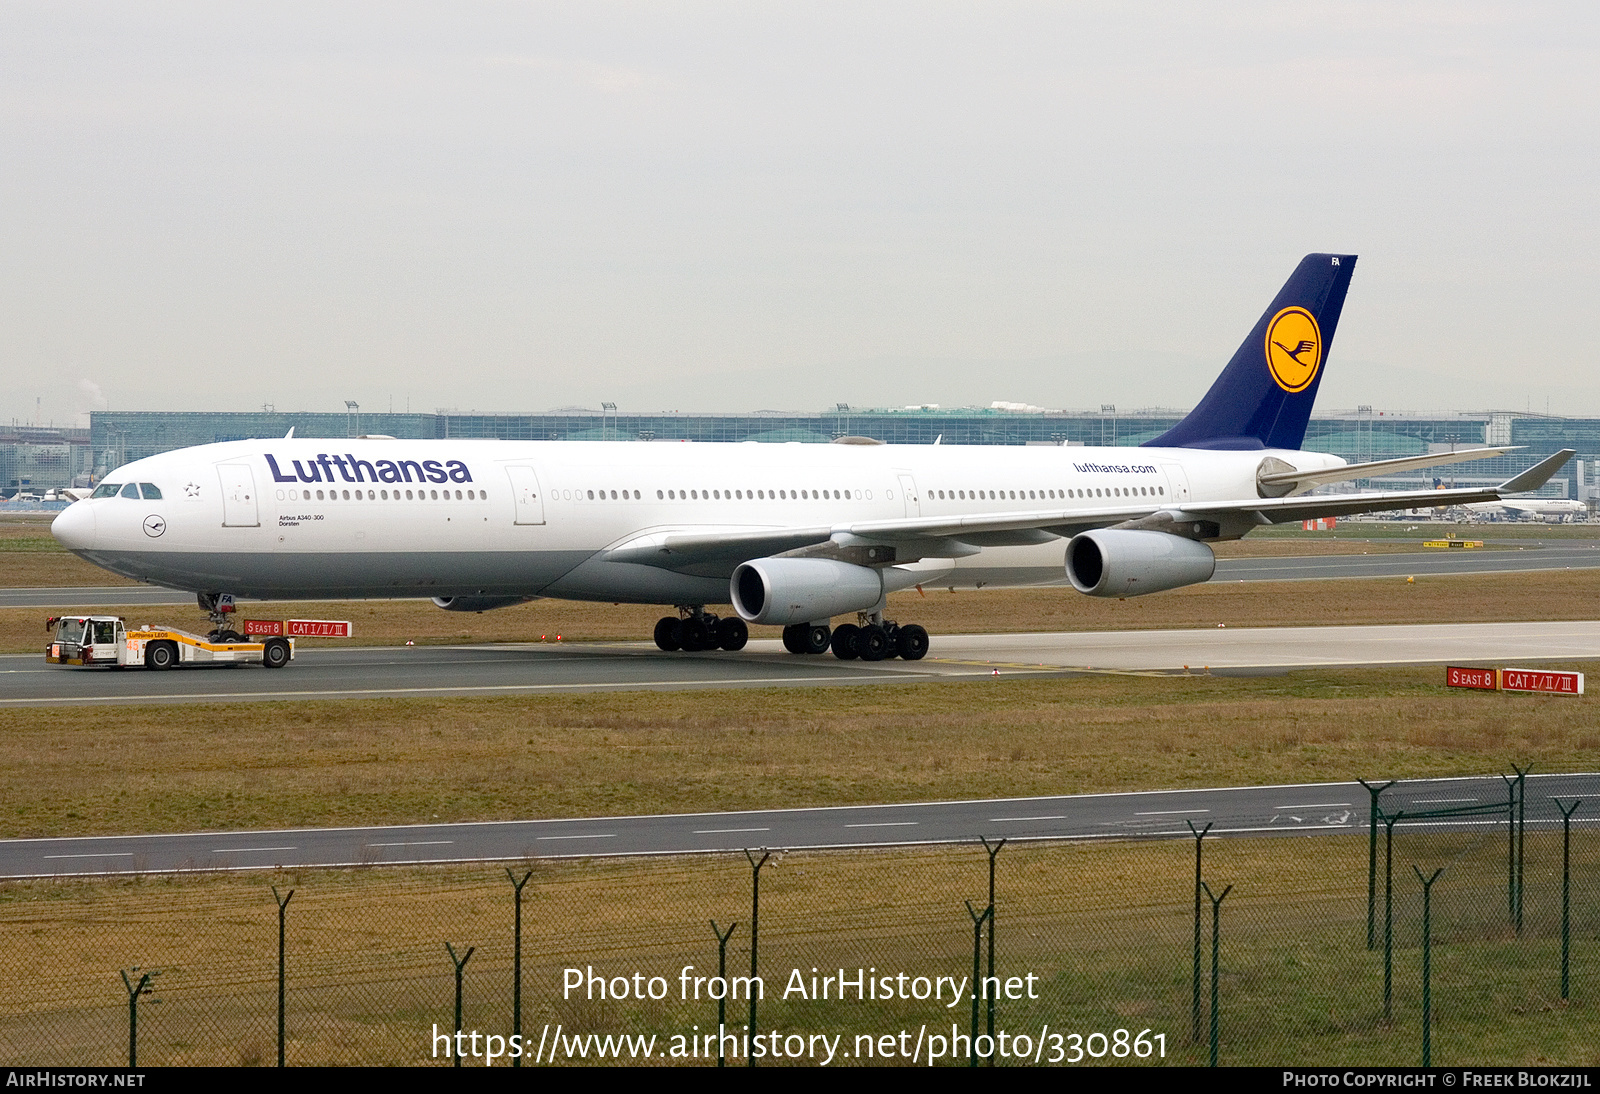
1263	398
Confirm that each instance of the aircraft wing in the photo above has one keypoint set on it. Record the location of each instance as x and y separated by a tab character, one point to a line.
717	552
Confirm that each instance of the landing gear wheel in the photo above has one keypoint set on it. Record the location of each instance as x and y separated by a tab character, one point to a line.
912	643
693	634
667	634
815	639
792	638
844	641
873	643
732	634
160	656
275	654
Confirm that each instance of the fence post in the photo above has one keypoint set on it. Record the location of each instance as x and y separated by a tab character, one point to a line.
1427	963
1388	915
1511	849
977	974
993	851
283	903
460	963
1522	831
1216	930
134	991
1566	887
755	921
722	974
1194	1013
1372	854
516	963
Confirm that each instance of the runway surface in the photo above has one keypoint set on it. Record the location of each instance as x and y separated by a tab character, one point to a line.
544	668
1301	810
1538	555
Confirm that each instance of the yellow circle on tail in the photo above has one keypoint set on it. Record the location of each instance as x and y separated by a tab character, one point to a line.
1294	349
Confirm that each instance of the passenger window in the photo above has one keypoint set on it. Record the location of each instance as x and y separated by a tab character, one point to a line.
148	489
130	491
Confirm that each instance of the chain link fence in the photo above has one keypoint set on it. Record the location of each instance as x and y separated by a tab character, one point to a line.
866	956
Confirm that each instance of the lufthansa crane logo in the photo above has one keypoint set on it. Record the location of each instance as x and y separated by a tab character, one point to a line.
1294	349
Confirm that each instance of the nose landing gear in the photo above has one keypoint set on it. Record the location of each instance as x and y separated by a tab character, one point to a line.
219	610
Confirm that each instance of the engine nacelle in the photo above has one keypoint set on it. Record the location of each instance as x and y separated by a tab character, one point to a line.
477	603
781	591
1123	562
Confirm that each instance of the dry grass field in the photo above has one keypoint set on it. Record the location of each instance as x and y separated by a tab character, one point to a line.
265	765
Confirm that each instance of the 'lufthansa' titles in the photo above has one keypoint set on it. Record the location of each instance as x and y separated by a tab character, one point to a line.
350	469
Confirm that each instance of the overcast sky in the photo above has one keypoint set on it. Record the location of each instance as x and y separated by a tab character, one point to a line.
743	206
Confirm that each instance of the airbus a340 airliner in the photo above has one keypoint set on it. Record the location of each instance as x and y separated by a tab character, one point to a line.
791	535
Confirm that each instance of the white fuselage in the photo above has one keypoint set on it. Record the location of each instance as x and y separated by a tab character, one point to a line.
305	518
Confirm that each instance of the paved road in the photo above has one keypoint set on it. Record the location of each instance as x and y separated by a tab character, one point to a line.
530	669
1303	810
1539	555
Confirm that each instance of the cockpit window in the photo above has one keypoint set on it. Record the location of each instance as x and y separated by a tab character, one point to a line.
148	489
71	631
130	491
106	490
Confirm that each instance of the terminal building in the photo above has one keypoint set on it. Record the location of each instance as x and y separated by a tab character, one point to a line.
33	461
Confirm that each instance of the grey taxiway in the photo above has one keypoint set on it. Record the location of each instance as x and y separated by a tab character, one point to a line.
552	667
1299	810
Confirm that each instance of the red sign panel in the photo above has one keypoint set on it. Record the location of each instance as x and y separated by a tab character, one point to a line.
1554	683
319	628
1457	677
262	627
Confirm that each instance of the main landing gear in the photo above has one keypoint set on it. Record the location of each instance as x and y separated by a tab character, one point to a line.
875	639
697	629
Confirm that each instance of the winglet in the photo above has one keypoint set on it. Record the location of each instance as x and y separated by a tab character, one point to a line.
1537	475
289	434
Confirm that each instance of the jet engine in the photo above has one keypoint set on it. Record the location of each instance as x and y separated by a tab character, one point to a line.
782	591
477	603
1124	562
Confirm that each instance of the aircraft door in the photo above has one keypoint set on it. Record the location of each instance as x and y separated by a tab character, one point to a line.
239	508
525	491
908	490
1177	482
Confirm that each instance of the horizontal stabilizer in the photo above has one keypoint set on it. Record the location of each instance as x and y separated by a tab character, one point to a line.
1537	475
1354	471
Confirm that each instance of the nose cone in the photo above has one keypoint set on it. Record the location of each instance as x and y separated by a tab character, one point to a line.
74	528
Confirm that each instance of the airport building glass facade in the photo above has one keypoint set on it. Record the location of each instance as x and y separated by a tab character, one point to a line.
116	437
